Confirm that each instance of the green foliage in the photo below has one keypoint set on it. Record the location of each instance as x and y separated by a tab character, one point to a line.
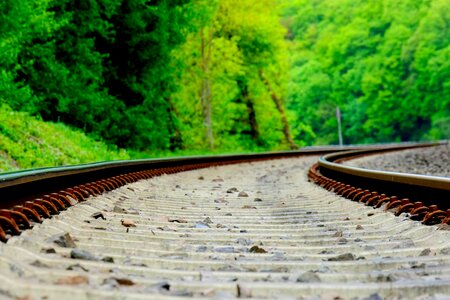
100	65
28	142
244	37
385	63
188	76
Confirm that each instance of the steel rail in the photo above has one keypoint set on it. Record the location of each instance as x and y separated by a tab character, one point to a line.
424	197
32	195
435	182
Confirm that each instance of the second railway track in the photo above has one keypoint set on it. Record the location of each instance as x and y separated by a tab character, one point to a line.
258	229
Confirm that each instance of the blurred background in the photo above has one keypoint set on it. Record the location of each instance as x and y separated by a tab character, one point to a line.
92	80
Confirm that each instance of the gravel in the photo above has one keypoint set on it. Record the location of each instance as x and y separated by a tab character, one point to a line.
300	242
433	161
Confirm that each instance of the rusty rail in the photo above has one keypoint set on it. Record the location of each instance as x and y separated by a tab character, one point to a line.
424	198
30	196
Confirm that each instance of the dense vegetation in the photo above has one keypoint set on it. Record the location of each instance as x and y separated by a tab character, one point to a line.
226	75
28	142
385	63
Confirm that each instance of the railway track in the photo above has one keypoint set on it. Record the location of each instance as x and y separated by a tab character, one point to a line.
254	229
422	197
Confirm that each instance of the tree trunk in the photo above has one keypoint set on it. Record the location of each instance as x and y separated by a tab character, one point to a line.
205	92
279	105
176	140
254	130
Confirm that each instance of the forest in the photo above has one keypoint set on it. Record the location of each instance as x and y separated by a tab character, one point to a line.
145	78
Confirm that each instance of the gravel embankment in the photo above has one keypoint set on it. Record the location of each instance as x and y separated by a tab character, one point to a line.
256	230
426	161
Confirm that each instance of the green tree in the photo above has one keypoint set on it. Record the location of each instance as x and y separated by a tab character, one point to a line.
383	62
240	42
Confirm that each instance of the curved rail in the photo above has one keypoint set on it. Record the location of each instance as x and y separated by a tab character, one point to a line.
31	195
424	197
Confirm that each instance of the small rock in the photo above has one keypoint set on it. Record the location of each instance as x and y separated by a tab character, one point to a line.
342	241
48	250
127	223
132	211
208	292
226	249
201	178
242	194
177	220
370	214
443	227
257	249
359	227
249	207
99	228
343	257
63	240
110	283
373	297
207	220
258	200
425	252
201	225
309	277
347	219
228	214
166	228
77	267
97	215
162	286
108	259
122	281
338	233
243	291
326	251
232	190
39	264
244	242
217	180
73	280
220	200
119	210
82	254
445	251
201	249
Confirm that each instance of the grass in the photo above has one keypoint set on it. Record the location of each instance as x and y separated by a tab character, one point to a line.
28	142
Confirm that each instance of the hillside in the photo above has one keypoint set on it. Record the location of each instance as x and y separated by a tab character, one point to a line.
28	142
